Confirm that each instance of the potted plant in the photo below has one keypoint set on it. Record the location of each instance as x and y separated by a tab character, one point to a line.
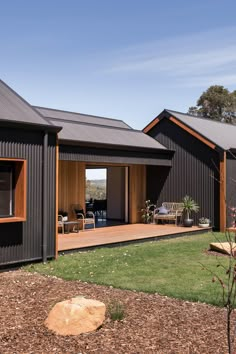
204	222
189	206
147	212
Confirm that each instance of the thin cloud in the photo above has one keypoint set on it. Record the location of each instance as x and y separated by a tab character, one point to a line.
179	64
193	58
221	79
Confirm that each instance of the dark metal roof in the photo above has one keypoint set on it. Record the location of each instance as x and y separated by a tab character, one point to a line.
14	108
82	128
81	118
98	134
222	134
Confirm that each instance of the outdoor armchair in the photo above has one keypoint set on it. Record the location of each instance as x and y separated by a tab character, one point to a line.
86	219
60	223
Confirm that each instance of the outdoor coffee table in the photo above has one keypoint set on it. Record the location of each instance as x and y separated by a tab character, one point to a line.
67	225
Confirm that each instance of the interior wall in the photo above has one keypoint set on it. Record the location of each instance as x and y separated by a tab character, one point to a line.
71	186
116	193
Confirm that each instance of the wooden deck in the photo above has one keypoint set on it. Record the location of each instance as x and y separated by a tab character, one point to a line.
120	234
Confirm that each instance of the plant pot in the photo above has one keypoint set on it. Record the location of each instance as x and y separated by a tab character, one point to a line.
188	222
203	225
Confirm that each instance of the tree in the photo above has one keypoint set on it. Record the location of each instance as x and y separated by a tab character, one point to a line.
218	103
194	111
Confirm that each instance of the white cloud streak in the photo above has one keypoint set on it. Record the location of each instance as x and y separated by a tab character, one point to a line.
192	60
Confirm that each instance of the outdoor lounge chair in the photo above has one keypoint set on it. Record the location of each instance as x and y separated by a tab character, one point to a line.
60	223
87	218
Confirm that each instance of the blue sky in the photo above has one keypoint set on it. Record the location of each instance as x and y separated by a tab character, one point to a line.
127	59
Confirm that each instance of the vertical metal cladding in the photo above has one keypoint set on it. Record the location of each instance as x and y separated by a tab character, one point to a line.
194	171
22	241
51	175
230	187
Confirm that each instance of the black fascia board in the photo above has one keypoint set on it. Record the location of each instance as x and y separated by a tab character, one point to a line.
25	125
116	147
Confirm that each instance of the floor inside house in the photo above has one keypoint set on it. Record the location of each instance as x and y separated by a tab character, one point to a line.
103	222
121	234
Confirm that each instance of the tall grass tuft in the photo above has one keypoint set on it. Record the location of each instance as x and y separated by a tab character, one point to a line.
116	310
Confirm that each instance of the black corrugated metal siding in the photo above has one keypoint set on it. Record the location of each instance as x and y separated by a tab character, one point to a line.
51	195
108	155
194	171
23	241
230	186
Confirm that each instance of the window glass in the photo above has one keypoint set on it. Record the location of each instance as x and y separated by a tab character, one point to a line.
6	190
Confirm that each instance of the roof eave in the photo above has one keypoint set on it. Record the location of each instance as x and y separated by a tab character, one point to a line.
115	146
28	125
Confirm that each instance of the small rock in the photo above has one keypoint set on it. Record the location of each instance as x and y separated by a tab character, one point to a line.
75	316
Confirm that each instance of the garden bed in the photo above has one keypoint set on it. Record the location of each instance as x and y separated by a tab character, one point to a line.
152	324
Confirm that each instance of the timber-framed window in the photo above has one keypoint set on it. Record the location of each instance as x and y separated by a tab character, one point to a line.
12	190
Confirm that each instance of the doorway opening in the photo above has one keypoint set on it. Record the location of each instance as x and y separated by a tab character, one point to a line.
106	194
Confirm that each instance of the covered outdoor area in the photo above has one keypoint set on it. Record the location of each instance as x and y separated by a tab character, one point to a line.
121	234
126	190
89	141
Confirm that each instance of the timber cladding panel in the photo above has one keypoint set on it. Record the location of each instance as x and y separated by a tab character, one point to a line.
137	192
195	171
20	186
230	187
222	191
71	185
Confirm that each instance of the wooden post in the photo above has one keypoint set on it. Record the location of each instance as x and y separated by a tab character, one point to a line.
137	192
56	188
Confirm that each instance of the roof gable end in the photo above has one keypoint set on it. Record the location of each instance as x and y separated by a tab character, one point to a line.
215	134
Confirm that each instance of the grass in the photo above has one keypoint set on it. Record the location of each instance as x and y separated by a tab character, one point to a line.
116	310
168	267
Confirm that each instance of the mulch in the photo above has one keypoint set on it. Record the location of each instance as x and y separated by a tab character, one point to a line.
152	323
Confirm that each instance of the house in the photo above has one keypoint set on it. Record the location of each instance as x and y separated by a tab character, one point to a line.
43	156
90	141
203	164
27	181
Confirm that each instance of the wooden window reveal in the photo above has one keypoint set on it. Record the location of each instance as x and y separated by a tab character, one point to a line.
19	184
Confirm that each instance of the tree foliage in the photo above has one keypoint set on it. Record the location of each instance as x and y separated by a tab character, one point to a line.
95	189
218	103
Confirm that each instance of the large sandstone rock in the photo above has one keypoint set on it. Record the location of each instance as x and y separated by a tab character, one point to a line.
75	316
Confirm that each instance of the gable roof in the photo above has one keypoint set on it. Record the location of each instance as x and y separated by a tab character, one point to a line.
214	132
80	128
13	108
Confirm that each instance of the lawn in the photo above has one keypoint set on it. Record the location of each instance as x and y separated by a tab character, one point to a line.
169	267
